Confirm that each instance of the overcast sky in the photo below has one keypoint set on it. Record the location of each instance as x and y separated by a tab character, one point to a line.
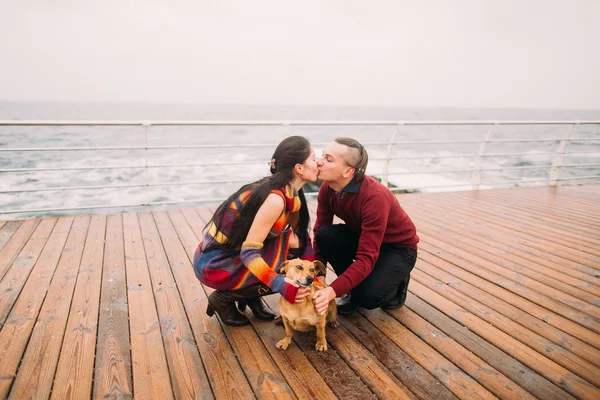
450	53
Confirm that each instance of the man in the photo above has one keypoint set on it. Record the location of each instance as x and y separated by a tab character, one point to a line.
375	250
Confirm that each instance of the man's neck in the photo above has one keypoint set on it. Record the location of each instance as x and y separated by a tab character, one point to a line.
338	186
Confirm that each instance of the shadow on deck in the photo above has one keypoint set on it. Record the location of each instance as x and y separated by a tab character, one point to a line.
504	302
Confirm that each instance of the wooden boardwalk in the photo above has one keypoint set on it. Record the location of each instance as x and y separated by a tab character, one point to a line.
504	303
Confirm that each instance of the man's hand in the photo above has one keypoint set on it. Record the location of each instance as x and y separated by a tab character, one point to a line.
321	299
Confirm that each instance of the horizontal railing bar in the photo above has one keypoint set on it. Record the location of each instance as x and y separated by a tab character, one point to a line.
131	166
170	147
216	146
311	194
58	188
111	206
286	123
470	155
493	169
467	170
493	183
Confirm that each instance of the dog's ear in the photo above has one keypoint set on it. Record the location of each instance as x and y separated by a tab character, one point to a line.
283	267
319	267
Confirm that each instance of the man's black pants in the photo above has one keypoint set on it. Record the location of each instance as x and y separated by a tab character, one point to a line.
338	245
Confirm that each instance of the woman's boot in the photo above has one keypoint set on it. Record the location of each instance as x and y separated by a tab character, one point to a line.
223	302
258	308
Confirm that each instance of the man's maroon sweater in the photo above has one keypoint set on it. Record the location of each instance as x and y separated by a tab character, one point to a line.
371	211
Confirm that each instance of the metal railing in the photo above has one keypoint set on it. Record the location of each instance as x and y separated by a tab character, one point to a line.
557	165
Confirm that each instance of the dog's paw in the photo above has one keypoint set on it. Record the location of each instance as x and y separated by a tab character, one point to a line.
283	343
321	346
333	324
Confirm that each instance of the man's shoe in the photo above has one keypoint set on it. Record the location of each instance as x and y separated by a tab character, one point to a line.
347	305
400	298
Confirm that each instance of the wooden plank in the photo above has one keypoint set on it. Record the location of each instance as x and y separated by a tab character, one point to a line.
510	367
16	331
38	367
73	379
264	377
381	381
226	377
149	365
549	206
542	365
375	375
554	352
545	208
575	292
504	240
112	370
505	216
529	288
417	379
7	229
484	294
338	376
508	219
187	372
477	368
299	373
537	304
581	228
457	381
21	252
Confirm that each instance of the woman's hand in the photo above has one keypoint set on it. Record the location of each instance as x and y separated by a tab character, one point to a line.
321	299
302	291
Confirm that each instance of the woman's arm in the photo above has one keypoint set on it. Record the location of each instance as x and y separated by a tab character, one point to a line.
267	215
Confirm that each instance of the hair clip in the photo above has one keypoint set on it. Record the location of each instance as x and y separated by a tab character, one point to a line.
272	163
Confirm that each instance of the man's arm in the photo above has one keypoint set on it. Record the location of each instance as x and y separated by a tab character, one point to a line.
375	212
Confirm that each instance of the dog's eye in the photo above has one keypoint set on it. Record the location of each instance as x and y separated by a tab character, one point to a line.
299	267
312	270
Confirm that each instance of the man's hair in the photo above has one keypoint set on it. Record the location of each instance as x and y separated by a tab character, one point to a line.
356	157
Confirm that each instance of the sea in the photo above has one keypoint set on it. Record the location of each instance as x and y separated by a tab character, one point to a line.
414	166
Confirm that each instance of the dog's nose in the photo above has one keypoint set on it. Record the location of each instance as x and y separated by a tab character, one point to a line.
310	280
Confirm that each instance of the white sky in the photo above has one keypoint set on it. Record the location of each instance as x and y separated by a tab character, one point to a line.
452	53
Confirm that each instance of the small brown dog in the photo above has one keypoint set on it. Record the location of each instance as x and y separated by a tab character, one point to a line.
303	316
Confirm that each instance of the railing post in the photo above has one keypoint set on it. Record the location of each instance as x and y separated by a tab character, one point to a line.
146	125
476	177
558	158
386	163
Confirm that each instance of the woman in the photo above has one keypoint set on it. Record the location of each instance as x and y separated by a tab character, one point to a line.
253	232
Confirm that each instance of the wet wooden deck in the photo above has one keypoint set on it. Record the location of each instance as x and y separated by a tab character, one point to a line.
504	302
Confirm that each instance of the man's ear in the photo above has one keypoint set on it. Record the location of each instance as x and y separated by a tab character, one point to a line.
283	268
349	172
319	267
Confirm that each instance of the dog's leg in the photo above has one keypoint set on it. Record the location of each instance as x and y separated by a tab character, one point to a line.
285	342
332	315
321	340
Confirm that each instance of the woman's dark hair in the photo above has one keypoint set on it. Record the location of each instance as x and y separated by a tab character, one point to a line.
356	157
290	151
